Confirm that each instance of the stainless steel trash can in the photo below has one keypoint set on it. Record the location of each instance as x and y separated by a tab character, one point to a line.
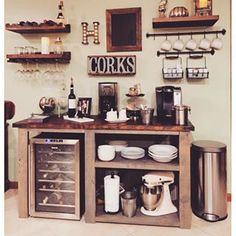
208	180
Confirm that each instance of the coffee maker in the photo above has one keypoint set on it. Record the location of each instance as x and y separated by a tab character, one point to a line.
166	98
107	97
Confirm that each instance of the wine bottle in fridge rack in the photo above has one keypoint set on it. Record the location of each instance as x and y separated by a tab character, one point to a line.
71	101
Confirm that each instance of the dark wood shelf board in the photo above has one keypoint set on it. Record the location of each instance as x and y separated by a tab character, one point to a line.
38	29
39	58
145	163
139	218
191	21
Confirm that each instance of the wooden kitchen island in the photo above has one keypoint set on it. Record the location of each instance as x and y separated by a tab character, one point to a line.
97	133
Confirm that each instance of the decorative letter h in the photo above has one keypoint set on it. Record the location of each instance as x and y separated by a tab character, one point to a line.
87	33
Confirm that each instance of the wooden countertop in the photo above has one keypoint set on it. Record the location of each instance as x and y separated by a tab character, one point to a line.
59	123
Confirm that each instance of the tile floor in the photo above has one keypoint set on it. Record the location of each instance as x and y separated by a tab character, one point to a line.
15	226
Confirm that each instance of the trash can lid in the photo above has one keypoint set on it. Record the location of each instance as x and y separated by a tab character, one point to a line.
209	146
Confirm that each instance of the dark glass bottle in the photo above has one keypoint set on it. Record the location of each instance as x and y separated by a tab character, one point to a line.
60	16
71	101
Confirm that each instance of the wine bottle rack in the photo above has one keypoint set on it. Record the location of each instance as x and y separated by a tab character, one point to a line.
54	178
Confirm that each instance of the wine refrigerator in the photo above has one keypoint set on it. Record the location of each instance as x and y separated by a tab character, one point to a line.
55	178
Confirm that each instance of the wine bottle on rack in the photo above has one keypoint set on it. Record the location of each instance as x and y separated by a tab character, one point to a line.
71	101
53	198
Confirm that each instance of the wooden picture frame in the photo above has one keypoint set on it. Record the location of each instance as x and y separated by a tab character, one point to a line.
84	106
124	29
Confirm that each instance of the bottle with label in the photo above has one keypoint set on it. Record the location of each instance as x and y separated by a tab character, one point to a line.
71	101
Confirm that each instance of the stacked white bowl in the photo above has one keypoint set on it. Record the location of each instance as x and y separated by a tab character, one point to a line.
118	144
106	152
162	152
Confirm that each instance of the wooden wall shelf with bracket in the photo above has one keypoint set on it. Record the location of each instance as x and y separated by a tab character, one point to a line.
41	28
40	58
190	21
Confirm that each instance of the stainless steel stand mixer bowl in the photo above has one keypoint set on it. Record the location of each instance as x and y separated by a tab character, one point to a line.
150	196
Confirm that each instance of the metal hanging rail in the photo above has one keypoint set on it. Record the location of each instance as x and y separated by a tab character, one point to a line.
223	32
212	52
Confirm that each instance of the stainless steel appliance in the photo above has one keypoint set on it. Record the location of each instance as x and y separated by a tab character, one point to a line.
155	193
55	178
208	180
107	97
166	98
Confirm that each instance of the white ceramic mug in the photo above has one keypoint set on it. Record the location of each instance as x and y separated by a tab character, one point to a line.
191	44
217	43
204	44
166	45
178	45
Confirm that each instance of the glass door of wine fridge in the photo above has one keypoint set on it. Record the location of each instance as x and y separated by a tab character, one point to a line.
55	178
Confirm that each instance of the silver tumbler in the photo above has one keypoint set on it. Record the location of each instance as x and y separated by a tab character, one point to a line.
128	203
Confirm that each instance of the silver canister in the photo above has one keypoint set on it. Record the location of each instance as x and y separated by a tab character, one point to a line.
181	114
128	203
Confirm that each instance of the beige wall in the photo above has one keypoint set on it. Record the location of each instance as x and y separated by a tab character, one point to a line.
209	99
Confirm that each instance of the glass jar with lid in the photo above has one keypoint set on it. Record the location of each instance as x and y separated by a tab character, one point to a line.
58	46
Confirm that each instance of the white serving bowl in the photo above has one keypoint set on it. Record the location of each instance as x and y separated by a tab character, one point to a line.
106	152
118	144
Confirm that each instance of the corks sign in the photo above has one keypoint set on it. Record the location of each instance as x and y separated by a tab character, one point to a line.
112	65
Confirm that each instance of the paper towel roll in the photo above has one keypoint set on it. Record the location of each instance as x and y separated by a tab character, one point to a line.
45	44
111	193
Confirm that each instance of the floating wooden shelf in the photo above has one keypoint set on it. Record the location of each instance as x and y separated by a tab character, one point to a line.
38	29
40	58
191	21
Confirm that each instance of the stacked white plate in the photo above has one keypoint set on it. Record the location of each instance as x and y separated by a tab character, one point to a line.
162	152
133	153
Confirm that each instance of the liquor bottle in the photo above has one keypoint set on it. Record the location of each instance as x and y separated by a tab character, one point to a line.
71	101
60	16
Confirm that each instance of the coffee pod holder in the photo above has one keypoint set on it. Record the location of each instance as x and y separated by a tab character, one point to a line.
194	72
175	72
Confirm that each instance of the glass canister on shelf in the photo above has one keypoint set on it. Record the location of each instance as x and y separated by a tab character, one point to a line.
58	46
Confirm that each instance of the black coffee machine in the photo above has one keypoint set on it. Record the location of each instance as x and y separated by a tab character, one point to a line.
107	98
166	98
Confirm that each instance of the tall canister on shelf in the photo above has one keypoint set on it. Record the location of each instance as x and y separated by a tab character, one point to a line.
208	180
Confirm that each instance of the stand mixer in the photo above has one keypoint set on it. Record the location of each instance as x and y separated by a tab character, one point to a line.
155	193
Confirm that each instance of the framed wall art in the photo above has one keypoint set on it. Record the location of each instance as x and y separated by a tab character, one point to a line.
84	106
124	29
